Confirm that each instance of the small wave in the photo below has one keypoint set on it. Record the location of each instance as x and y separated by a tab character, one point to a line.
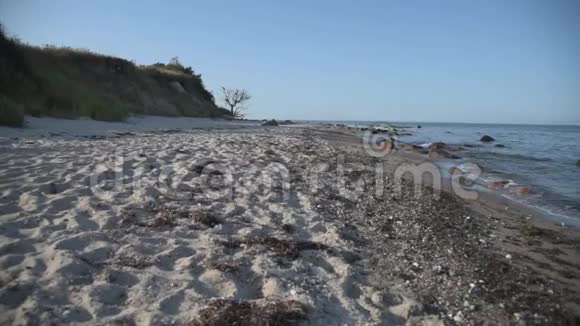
511	156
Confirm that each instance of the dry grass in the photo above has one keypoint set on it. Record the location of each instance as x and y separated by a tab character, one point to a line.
68	83
246	313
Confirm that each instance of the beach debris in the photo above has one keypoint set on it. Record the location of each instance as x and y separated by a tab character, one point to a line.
245	313
225	267
206	218
280	247
487	139
288	228
138	262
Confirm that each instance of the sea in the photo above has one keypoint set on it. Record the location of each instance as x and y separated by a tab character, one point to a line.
540	157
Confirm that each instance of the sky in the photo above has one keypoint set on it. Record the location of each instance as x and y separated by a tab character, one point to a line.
486	61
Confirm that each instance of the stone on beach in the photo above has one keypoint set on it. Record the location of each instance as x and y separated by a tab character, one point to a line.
455	170
520	190
487	139
270	123
438	145
497	184
436	154
406	146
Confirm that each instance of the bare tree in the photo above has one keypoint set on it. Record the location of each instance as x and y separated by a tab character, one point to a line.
235	100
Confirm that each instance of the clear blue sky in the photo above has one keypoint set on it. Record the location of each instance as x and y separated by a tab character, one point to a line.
510	61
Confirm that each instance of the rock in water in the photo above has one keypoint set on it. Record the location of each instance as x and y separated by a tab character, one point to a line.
487	139
455	170
438	145
499	145
419	127
520	190
436	154
578	163
271	123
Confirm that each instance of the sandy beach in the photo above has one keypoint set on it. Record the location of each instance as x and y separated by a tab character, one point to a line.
250	225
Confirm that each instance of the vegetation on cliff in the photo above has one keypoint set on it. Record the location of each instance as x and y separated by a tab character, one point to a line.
70	83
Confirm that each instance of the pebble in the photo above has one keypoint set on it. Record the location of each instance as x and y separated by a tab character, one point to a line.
508	256
458	317
377	298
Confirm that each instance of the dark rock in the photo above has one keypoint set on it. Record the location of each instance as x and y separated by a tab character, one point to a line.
578	163
405	146
438	145
455	170
270	123
499	145
520	190
436	154
487	139
419	127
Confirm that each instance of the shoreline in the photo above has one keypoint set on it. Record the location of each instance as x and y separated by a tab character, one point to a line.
79	250
486	181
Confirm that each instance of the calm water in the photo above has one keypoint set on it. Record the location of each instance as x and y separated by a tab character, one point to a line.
541	157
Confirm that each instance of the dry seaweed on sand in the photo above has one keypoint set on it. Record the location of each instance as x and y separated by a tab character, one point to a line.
206	218
246	313
169	216
137	262
285	248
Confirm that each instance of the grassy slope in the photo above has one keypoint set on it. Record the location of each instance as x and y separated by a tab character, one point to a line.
64	82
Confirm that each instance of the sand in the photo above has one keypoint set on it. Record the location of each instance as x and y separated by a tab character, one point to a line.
83	127
76	248
193	226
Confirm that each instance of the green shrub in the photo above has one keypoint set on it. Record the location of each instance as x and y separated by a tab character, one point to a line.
104	109
11	113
